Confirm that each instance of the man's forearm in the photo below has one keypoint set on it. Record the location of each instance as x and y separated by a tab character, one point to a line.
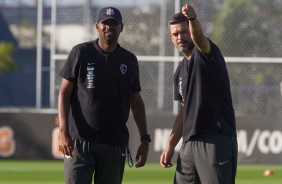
139	116
176	133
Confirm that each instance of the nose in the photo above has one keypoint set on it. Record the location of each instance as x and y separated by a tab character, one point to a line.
179	36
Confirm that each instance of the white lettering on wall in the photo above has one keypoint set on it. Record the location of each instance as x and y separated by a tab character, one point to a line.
253	143
262	142
161	138
275	142
265	141
242	140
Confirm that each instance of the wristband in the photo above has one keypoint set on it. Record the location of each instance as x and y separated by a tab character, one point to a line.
191	19
146	138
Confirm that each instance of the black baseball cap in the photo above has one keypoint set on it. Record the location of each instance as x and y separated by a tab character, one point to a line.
110	13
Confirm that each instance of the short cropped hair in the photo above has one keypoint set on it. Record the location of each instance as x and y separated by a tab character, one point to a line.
177	18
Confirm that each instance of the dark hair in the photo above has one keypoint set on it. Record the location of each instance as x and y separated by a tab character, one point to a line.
177	18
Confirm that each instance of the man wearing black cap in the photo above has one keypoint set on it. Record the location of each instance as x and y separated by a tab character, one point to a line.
100	84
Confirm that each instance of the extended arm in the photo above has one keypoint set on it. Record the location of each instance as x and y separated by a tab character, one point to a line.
197	35
139	115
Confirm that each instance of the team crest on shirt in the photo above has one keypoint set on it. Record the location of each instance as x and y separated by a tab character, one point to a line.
123	68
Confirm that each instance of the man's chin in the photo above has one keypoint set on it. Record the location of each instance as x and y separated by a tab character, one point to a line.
183	49
187	48
111	40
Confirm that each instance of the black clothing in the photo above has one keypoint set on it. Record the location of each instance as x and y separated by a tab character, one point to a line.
106	162
203	85
104	82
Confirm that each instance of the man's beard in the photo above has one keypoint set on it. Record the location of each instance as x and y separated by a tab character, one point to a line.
187	48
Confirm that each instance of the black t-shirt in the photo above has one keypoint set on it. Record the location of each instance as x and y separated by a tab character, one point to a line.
100	102
203	85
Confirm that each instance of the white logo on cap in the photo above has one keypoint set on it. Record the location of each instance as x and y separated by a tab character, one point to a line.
110	11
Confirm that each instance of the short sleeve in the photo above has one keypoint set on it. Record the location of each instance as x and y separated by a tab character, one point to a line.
177	95
136	87
70	69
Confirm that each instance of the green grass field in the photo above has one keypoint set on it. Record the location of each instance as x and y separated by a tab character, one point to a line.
51	172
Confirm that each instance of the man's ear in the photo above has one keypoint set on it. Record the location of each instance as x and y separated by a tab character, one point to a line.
96	26
121	27
169	34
